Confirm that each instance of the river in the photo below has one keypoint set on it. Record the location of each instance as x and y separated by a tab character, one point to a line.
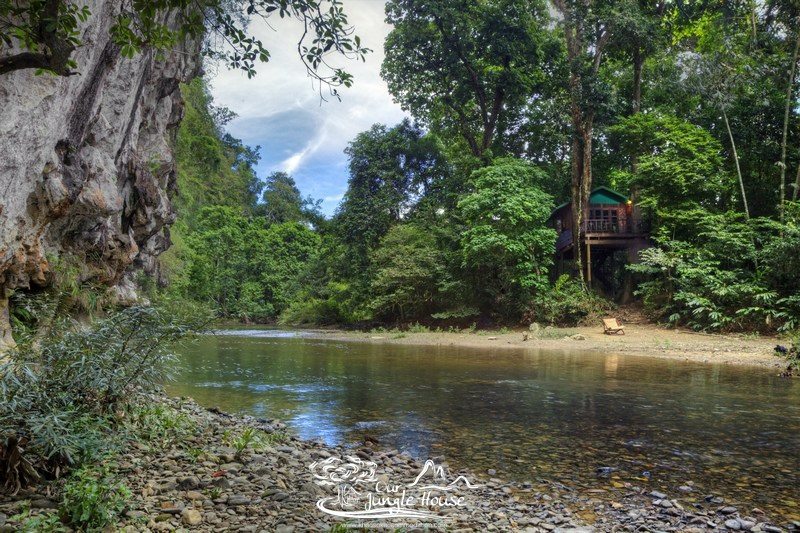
597	423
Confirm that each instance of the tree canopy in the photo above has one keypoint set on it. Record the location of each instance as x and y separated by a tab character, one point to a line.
43	34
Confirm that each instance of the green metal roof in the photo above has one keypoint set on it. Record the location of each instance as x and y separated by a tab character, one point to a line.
600	195
604	195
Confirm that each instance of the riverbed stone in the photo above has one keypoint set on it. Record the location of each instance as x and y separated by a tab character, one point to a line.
275	491
191	517
239	499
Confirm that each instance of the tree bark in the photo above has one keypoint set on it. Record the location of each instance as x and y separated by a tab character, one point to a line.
787	109
582	117
58	50
575	192
736	160
636	102
796	183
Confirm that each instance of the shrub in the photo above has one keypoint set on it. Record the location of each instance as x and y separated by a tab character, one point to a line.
791	355
566	303
335	305
48	522
58	400
724	275
158	424
93	499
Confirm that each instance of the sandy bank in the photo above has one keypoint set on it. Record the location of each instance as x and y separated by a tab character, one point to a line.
646	340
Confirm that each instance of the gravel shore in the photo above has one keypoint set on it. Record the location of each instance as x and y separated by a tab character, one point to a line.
201	483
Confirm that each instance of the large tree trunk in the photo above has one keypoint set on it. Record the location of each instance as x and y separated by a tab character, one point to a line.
636	101
787	109
636	107
577	208
576	31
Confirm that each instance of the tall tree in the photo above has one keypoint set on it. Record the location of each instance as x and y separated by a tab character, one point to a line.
466	67
639	35
507	244
390	168
587	31
282	199
720	70
787	110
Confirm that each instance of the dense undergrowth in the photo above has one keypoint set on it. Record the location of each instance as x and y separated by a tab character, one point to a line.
75	393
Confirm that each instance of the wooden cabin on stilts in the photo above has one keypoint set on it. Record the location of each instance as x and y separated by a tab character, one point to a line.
612	235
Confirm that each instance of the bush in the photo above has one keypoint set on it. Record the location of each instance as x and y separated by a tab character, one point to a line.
335	305
567	303
93	499
158	424
726	273
791	355
58	400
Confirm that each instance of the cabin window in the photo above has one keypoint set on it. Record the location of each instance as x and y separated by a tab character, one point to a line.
603	219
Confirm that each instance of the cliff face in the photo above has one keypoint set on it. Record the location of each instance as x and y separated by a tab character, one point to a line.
86	164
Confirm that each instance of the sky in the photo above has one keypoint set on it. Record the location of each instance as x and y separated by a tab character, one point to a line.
280	109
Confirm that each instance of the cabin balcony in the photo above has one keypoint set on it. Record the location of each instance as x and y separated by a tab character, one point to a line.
614	233
614	227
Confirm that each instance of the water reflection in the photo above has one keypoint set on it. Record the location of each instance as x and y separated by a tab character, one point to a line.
587	420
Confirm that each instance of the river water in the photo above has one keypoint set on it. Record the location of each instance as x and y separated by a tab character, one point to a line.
590	421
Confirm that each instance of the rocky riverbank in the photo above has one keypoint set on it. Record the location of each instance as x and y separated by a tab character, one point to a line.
232	473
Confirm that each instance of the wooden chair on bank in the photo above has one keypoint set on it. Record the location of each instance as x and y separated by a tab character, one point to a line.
611	326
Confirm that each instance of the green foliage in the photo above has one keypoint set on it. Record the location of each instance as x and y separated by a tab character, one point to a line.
566	303
41	523
507	244
157	425
58	399
48	32
255	439
467	68
213	167
679	163
408	271
389	169
282	201
246	270
718	271
93	498
333	305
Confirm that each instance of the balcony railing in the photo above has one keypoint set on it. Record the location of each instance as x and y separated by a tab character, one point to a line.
619	226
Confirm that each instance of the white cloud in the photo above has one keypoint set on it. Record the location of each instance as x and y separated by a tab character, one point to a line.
282	84
280	108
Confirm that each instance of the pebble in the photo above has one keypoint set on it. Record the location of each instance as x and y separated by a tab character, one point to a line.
272	489
191	517
733	524
238	499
